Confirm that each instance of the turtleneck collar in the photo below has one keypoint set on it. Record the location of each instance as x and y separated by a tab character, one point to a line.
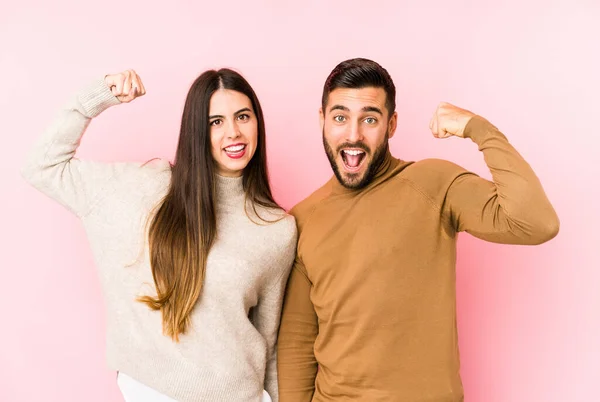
228	188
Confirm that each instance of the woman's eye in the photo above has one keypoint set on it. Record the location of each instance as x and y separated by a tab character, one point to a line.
215	122
244	117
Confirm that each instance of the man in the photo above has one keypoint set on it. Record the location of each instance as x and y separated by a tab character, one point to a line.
369	312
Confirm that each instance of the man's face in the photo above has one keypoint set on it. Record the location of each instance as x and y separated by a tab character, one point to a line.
356	128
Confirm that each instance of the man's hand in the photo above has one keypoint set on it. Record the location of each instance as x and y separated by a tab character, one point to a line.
126	86
449	120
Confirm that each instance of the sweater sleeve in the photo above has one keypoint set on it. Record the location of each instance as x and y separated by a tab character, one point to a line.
513	209
51	166
267	313
297	365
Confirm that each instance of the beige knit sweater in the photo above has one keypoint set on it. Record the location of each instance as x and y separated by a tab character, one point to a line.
229	352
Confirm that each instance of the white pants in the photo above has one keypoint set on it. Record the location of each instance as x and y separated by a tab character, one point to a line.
135	391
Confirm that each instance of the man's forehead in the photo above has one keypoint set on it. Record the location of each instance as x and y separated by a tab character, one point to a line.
357	98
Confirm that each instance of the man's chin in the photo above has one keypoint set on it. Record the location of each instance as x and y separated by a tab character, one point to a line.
351	179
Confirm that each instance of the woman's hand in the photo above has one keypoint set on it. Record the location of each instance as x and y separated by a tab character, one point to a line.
126	86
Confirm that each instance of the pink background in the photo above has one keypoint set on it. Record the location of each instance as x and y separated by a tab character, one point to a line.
529	317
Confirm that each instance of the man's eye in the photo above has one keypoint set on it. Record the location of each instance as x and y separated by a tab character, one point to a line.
370	120
339	118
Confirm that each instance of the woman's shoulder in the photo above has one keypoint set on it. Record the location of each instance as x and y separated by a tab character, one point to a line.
132	180
276	220
156	166
135	174
273	214
287	223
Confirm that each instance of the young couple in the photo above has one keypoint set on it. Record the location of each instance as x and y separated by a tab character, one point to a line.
214	293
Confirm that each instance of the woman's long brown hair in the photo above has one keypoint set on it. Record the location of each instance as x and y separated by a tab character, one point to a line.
184	228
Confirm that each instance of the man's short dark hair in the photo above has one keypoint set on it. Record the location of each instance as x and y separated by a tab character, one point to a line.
360	73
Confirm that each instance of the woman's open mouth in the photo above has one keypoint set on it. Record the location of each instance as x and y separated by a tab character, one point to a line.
235	151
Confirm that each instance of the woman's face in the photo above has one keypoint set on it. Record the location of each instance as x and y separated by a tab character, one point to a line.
233	131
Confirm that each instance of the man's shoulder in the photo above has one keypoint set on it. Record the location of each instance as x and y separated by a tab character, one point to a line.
432	176
433	169
304	208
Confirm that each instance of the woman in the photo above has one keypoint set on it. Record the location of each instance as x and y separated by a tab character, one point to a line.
193	256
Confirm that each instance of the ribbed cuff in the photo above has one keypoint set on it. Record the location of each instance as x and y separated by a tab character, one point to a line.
96	98
478	128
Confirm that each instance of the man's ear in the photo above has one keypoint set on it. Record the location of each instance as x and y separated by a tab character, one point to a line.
321	118
392	124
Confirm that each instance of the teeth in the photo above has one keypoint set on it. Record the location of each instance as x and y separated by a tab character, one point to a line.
353	152
236	148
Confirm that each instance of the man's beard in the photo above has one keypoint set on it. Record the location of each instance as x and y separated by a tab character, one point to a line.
353	181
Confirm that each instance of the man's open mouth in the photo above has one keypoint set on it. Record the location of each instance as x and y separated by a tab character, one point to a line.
353	158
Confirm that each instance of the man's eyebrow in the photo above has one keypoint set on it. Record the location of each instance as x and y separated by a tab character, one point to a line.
372	109
364	109
339	107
